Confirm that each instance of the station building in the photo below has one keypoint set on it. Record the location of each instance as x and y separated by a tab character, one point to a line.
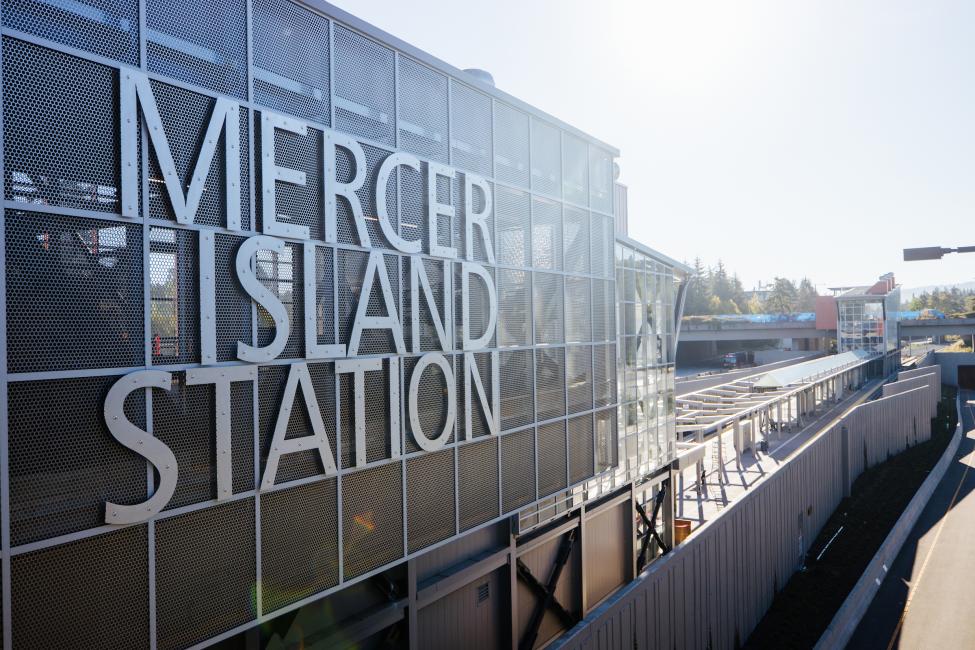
867	316
311	339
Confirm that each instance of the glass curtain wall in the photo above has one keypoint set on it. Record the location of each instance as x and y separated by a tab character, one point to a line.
646	294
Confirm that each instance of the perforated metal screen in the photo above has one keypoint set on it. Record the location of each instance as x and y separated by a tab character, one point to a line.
95	290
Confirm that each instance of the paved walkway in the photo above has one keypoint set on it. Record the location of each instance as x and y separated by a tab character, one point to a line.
928	597
736	480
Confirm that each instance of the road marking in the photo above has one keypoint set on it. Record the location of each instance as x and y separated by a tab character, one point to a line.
934	542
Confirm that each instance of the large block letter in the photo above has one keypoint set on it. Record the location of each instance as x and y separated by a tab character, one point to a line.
359	368
420	283
152	449
271	173
334	189
135	92
435	209
474	218
280	445
247	276
439	360
222	378
468	269
472	375
314	349
376	268
382	210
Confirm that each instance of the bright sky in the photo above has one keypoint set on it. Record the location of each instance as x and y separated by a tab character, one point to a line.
786	137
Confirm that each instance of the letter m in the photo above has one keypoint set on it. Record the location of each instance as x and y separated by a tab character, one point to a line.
135	92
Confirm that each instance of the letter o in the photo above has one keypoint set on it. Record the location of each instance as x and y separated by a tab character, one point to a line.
425	443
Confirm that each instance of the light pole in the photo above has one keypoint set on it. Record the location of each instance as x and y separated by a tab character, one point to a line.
933	252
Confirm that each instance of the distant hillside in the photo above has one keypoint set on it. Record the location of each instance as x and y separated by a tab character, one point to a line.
907	293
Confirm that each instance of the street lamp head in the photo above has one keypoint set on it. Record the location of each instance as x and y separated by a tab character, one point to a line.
927	253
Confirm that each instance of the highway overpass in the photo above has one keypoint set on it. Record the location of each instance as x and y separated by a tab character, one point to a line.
919	329
746	331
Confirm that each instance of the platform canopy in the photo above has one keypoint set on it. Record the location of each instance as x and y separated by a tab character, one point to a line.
801	372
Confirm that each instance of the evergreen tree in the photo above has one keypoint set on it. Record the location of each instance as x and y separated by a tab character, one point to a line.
807	296
784	297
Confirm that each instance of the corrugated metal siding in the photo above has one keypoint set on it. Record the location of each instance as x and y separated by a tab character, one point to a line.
713	589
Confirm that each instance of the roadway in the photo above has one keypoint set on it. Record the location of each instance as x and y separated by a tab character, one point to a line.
928	597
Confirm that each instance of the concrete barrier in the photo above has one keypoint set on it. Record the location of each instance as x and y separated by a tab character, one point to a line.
847	618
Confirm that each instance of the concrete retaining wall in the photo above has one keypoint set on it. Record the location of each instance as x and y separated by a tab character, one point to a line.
949	362
712	590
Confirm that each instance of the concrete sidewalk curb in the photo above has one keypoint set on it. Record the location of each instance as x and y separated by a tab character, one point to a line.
847	618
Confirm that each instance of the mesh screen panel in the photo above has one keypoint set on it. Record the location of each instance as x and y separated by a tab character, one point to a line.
607	451
64	464
184	418
575	230
550	382
299	542
551	458
364	87
603	310
513	242
74	293
345	171
546	234
377	419
514	308
470	130
272	381
351	271
233	305
430	498
109	28
602	246
600	180
546	159
185	116
511	145
478	306
479	416
517	396
604	374
548	304
291	74
205	582
174	296
90	593
575	170
477	464
578	377
578	310
372	518
282	274
429	340
61	142
422	110
580	448
201	43
431	400
517	469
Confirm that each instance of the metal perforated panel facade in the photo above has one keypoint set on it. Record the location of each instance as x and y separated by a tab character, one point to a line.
144	146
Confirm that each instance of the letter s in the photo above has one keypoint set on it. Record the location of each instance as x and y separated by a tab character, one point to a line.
152	449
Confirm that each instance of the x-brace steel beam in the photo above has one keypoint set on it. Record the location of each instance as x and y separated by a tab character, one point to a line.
546	593
651	525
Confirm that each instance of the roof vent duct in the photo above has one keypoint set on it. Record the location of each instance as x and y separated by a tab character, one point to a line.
481	75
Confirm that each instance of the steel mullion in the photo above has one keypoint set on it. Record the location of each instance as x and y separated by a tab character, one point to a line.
5	583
